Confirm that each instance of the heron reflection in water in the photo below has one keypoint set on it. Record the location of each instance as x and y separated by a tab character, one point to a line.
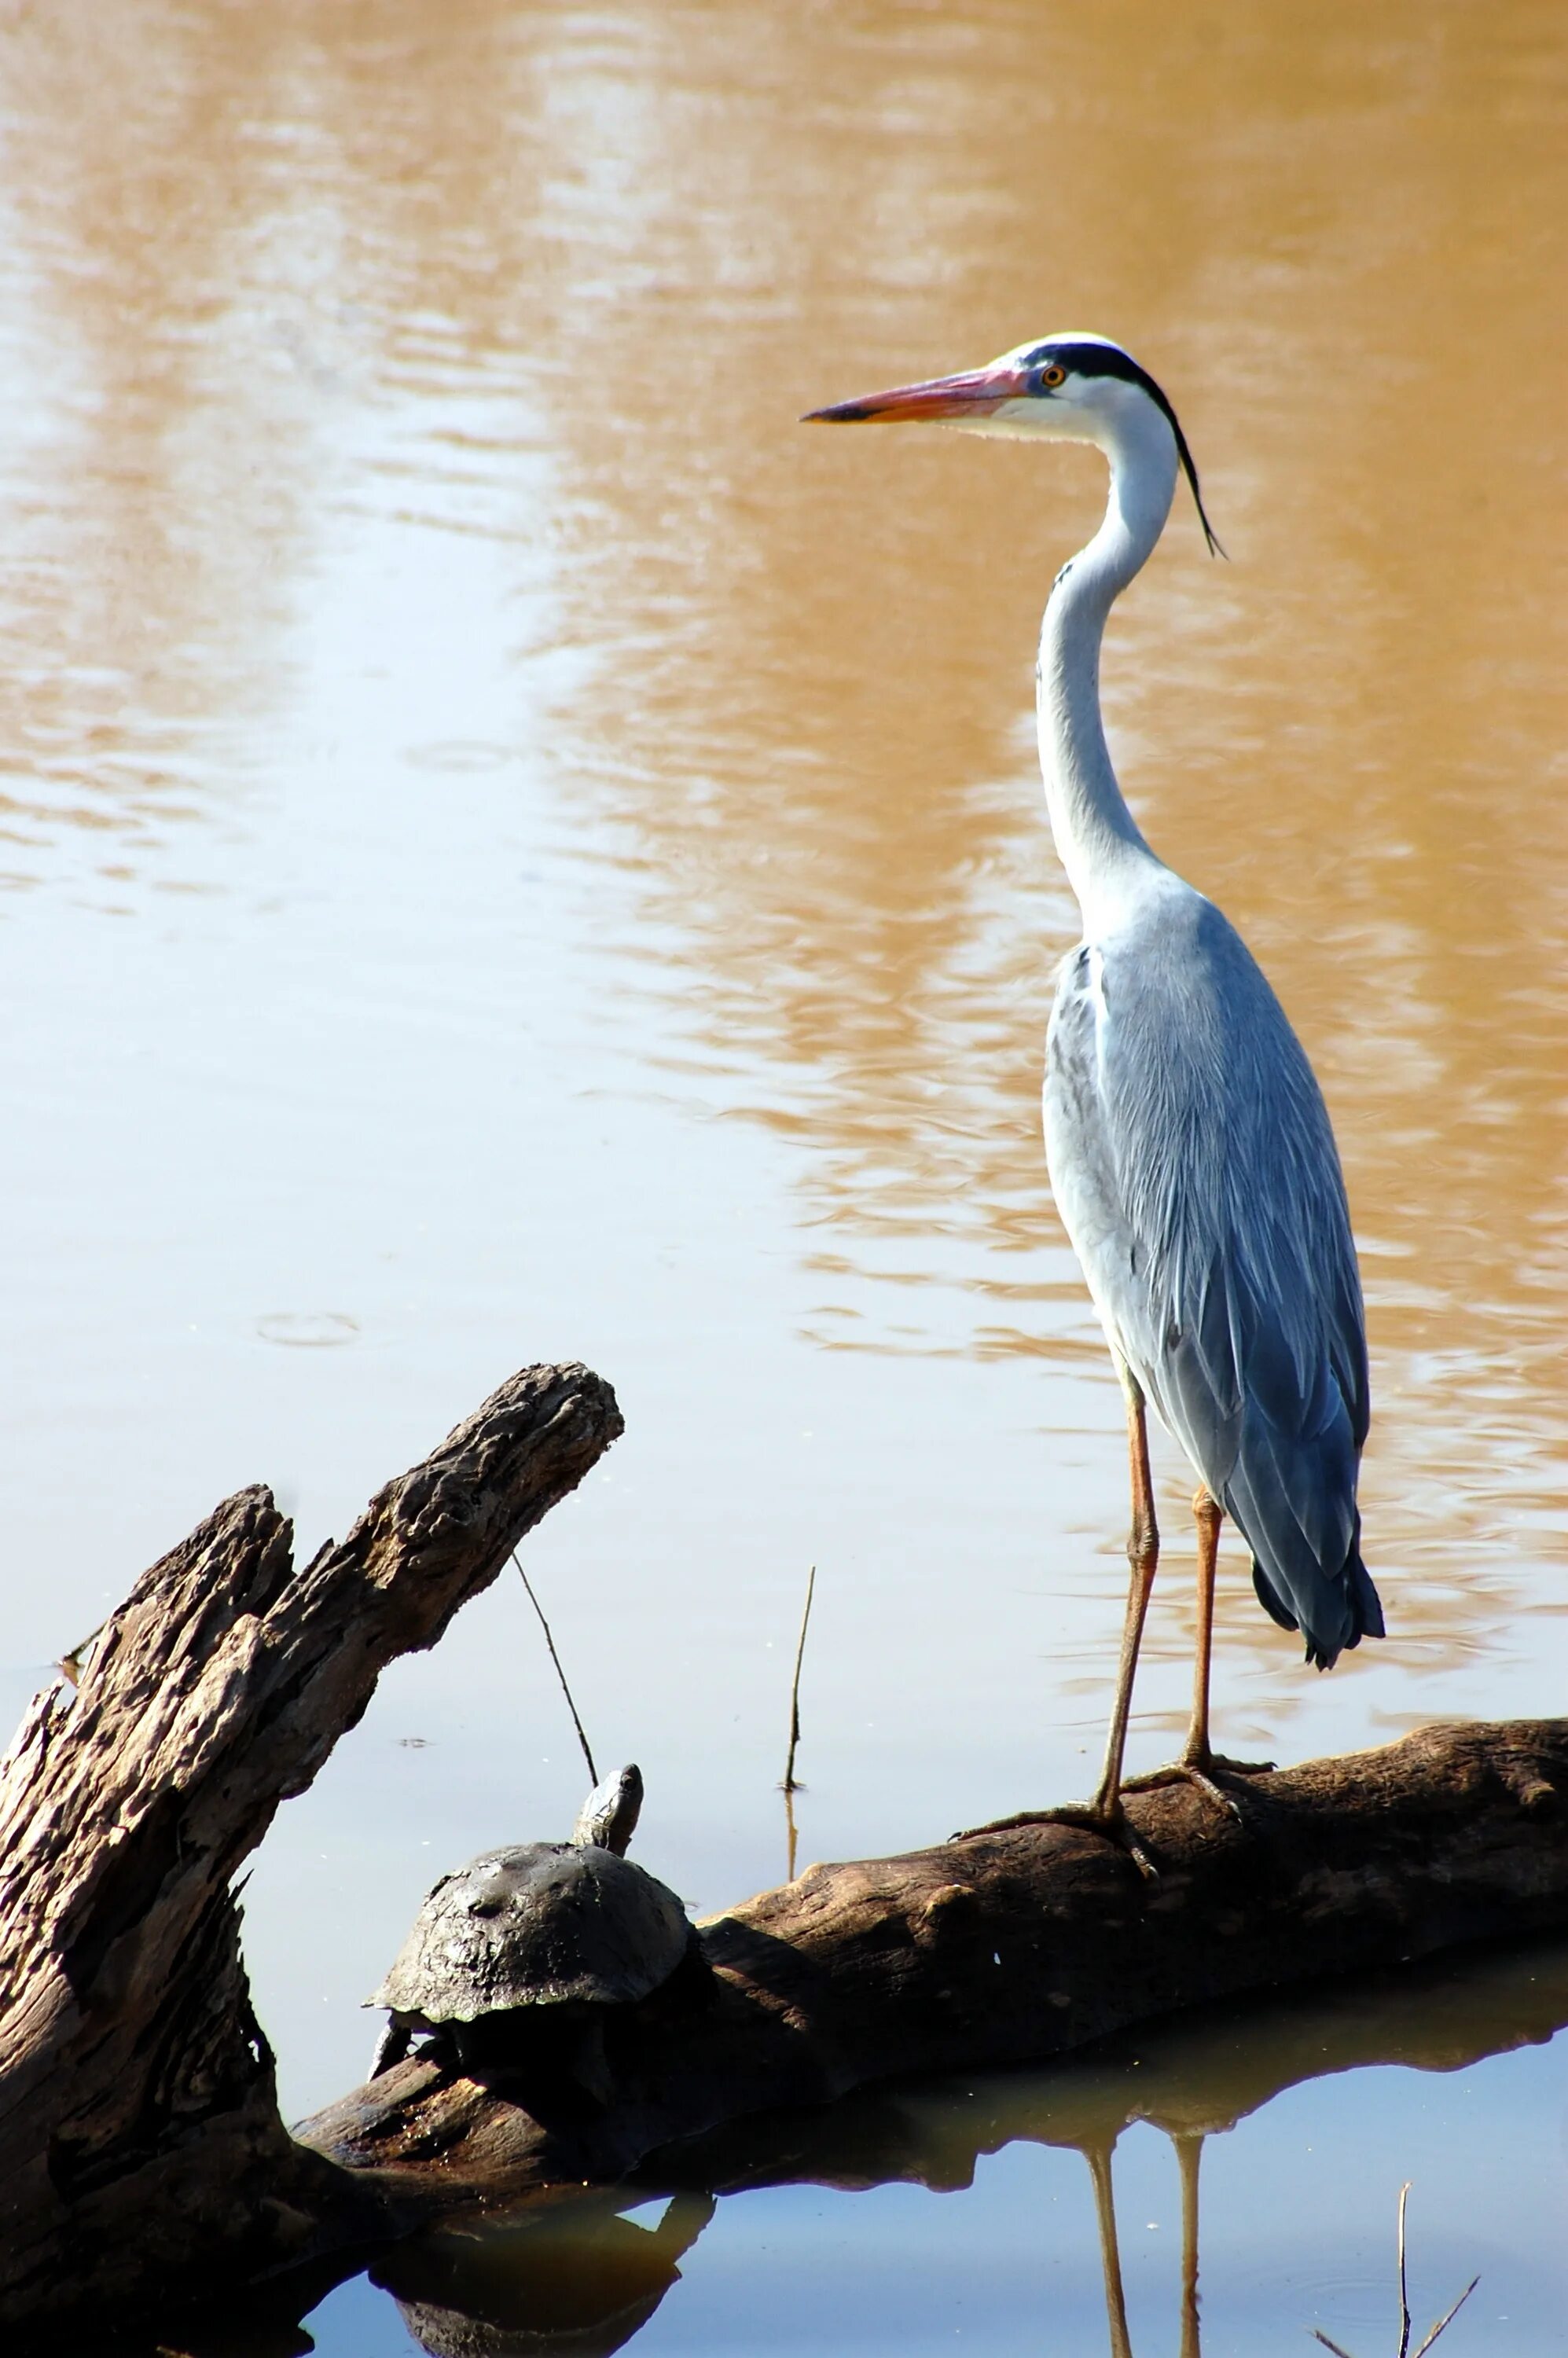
1189	1148
1098	2152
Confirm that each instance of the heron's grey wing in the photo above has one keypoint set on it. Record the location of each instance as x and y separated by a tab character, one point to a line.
1194	1164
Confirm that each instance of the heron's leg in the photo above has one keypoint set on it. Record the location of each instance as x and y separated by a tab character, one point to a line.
1143	1558
1198	1762
1105	1813
1207	1515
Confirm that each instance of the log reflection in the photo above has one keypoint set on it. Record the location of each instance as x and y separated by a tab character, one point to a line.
576	2275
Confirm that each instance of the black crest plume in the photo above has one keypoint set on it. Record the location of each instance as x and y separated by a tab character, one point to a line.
1110	360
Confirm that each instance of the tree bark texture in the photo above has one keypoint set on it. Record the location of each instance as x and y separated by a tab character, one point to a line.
1018	1946
140	2142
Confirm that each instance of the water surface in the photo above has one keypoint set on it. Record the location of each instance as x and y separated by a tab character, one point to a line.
513	848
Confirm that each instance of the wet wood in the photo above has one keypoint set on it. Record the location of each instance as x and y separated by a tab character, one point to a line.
1022	1945
140	2142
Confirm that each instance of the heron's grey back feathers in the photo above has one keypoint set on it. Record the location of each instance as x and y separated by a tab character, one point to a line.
1192	1158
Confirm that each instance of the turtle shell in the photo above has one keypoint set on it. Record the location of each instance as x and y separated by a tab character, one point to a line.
540	1924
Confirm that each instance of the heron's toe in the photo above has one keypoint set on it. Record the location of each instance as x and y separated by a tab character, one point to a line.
1095	1817
1202	1772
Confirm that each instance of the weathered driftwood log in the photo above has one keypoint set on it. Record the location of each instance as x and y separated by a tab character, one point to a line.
1019	1946
140	2142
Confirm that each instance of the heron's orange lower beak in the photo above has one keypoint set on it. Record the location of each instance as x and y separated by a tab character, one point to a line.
968	395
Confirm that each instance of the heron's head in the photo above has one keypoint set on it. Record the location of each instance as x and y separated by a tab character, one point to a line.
1078	388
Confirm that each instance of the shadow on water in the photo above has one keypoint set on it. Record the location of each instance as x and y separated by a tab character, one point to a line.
579	2277
575	2274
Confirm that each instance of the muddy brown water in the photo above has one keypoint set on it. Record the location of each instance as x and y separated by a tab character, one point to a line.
512	847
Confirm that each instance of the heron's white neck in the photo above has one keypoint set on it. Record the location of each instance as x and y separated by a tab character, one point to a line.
1098	840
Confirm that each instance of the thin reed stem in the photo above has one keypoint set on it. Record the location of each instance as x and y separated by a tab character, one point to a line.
1404	2297
789	1782
582	1734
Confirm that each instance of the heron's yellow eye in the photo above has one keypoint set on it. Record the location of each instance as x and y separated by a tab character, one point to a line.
1053	373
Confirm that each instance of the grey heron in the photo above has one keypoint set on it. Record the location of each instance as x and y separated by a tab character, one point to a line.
1189	1145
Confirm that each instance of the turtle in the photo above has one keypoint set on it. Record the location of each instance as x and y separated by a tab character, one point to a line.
514	1962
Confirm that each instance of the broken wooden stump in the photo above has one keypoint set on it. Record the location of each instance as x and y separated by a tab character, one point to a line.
140	2142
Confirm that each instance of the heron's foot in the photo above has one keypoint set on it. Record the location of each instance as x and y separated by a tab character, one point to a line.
1097	1817
1202	1770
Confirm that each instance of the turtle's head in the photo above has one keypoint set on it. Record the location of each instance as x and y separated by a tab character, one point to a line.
607	1818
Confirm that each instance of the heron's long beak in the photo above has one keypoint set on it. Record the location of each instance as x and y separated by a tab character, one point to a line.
968	396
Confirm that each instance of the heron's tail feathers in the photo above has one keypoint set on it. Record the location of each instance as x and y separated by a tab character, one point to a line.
1345	1610
1368	1604
1269	1597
